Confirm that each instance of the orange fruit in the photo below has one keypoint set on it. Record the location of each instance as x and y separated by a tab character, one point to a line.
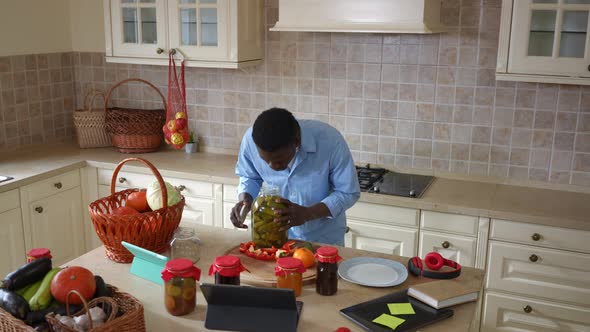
305	255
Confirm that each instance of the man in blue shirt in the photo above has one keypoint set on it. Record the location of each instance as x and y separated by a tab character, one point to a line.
311	164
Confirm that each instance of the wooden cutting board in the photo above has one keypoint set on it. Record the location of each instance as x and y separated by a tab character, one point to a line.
262	273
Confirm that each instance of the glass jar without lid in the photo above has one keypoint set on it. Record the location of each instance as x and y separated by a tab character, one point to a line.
265	231
289	272
327	270
227	270
180	286
185	244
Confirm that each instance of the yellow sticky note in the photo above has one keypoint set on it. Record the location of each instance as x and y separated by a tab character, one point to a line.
388	320
401	309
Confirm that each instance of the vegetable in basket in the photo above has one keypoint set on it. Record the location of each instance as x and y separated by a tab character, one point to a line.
154	195
27	274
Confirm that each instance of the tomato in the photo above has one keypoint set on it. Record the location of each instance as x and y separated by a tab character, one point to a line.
73	278
342	329
138	201
306	256
125	210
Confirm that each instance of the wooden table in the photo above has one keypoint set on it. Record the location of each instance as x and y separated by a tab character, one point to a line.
320	313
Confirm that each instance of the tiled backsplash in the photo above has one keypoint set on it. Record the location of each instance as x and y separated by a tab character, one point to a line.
405	100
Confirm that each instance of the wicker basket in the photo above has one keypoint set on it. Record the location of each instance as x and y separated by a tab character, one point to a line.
135	130
90	123
9	323
150	230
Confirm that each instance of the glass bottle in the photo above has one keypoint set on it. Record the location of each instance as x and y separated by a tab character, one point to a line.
327	270
185	244
265	232
37	253
180	286
289	272
227	270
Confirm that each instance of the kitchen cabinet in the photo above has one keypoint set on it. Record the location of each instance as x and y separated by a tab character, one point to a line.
385	239
208	33
52	216
544	41
230	199
461	249
12	243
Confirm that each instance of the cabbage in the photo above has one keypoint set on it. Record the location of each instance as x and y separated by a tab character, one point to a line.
154	195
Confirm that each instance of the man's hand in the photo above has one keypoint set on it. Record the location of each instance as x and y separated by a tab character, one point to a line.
297	215
241	208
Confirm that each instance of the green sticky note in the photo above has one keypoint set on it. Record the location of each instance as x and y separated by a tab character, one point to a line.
388	320
401	309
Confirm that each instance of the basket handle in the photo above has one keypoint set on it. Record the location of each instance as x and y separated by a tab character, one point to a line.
108	97
152	168
73	291
89	99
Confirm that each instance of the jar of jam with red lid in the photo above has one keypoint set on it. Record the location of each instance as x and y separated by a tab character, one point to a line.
227	270
289	272
37	253
327	270
180	286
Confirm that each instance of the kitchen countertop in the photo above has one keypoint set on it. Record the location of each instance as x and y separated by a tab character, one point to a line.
320	313
464	195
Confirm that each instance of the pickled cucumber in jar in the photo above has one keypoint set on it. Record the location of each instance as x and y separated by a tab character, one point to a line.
265	231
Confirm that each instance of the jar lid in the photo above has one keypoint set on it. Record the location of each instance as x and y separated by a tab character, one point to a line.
289	264
180	267
327	255
227	261
39	252
227	266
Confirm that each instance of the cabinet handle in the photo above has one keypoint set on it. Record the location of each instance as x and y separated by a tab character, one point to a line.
122	180
173	51
527	309
347	229
588	67
536	237
159	50
39	209
446	244
534	258
57	185
181	187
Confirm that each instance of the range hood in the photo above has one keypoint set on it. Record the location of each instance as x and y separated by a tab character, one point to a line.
367	16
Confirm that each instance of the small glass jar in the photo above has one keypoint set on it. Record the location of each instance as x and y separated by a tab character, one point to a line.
227	270
185	244
327	270
37	253
289	272
180	286
266	233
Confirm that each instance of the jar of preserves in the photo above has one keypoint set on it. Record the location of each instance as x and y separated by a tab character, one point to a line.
265	231
185	244
289	272
227	270
180	286
37	253
327	270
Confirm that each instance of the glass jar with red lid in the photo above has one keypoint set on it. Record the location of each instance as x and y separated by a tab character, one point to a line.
180	286
327	270
37	253
227	270
289	272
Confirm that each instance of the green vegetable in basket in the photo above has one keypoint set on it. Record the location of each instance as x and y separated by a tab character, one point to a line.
154	195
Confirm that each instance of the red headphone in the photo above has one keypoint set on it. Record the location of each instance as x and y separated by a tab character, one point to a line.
434	261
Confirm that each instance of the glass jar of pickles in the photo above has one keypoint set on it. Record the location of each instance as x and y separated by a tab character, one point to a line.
327	270
289	272
227	270
180	286
265	231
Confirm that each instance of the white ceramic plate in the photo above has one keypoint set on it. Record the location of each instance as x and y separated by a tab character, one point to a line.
373	272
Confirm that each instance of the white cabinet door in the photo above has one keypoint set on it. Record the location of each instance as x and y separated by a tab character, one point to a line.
55	222
385	239
550	37
197	211
519	314
12	241
461	249
227	207
137	28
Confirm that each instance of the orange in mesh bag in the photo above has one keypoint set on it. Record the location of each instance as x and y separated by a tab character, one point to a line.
176	132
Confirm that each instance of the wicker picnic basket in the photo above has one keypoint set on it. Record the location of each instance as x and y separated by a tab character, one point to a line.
150	230
91	128
135	130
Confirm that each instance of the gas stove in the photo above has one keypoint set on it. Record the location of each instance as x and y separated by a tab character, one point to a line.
382	181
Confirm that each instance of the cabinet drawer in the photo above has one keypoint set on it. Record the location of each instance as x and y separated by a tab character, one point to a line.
384	214
52	186
545	273
205	207
507	313
230	193
454	223
9	200
139	180
540	235
461	249
384	239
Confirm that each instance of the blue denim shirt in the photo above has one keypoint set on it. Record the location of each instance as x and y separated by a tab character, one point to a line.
322	171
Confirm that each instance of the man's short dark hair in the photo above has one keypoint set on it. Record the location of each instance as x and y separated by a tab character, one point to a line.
274	129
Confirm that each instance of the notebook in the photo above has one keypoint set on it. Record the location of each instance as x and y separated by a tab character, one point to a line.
256	309
443	293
